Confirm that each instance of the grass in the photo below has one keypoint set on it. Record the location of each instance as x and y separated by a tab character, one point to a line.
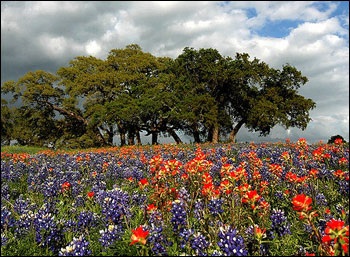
22	149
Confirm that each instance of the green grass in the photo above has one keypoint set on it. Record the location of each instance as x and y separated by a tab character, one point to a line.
22	149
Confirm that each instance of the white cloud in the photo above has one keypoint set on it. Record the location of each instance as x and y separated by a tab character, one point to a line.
92	48
47	35
53	46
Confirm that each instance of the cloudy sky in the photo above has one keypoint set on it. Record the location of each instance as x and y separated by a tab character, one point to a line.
313	36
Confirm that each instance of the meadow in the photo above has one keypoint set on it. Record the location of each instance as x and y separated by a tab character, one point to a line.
266	199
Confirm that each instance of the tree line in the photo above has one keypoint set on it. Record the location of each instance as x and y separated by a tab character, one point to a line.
201	93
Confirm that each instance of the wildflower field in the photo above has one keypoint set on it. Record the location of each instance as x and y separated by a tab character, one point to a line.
267	199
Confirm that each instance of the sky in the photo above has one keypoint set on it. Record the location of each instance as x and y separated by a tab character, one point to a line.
312	36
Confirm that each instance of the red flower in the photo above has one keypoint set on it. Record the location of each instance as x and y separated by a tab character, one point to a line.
302	203
309	254
151	207
90	195
313	173
334	225
139	236
338	141
259	233
339	173
66	186
343	160
326	239
251	197
337	233
143	182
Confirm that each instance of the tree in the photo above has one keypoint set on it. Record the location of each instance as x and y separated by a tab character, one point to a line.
201	93
88	86
6	123
35	121
270	97
200	84
245	92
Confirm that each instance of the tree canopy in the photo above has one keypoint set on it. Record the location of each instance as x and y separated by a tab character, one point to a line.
201	93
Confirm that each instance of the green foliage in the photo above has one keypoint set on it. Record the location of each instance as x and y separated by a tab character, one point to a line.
201	93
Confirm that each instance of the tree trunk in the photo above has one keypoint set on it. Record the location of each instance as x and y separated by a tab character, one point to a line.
216	134
210	134
235	130
100	137
154	137
196	133
110	136
122	133
131	137
175	136
122	138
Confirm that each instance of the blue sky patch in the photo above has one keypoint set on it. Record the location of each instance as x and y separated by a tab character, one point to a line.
251	13
278	28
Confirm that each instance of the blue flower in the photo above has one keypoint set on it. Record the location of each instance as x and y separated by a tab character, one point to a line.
280	225
78	247
215	206
200	244
110	235
231	243
179	215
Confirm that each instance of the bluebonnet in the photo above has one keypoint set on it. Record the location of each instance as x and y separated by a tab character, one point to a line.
230	242
179	217
279	195
184	195
69	225
215	206
21	206
199	244
216	253
280	225
79	201
24	223
198	209
115	205
308	228
139	199
47	233
215	171
110	234
156	238
344	186
78	247
86	219
321	199
50	188
5	191
321	224
7	220
99	184
185	235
